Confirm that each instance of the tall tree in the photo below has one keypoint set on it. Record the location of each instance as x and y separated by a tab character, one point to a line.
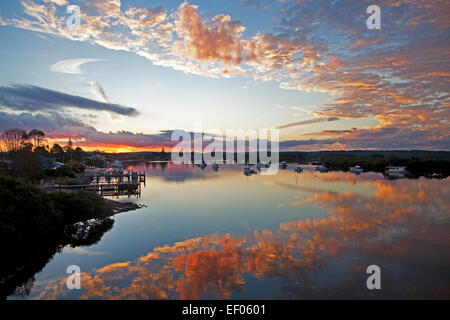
78	154
37	137
14	139
56	149
69	145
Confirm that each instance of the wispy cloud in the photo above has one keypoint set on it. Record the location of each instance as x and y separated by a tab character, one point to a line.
98	90
71	66
310	121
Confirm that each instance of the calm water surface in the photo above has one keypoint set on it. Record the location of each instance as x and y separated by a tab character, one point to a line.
207	234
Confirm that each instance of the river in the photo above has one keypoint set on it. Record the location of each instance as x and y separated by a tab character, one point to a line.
224	235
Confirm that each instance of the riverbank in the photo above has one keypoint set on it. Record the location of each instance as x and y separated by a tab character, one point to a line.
34	225
418	163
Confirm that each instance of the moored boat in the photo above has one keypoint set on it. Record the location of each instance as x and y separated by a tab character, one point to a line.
356	169
248	171
321	168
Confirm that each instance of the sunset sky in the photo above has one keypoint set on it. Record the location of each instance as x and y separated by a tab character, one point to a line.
136	70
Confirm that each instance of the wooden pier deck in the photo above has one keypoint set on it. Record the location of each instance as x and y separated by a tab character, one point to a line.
102	188
120	176
108	183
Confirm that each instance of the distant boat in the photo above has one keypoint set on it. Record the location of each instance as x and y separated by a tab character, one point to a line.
283	165
248	171
259	166
395	171
298	169
321	168
116	164
356	169
215	166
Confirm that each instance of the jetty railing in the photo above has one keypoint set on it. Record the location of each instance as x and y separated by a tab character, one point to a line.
106	184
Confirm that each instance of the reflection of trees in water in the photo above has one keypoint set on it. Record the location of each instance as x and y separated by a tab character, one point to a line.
87	233
25	289
24	260
163	165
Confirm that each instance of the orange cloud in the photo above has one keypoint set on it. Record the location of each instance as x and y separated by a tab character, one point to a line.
216	40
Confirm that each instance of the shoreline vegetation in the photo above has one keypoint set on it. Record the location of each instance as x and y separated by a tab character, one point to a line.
34	225
429	164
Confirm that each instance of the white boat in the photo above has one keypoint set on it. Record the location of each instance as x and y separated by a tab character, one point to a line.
283	165
298	169
56	165
321	168
356	169
395	171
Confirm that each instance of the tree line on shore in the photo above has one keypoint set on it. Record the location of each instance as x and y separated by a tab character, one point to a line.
28	155
417	162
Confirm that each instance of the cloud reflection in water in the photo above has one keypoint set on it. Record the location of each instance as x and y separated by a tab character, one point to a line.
402	225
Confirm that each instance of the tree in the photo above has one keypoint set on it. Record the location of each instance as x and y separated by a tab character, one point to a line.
57	152
69	145
56	149
41	150
74	166
2	144
14	139
64	171
37	137
78	154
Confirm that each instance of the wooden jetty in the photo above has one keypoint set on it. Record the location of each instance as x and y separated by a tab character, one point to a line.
131	176
105	189
108	183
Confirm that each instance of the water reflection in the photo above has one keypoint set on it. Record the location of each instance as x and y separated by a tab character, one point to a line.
167	171
24	260
402	226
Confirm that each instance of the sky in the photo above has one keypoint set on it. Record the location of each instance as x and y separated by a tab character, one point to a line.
134	71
